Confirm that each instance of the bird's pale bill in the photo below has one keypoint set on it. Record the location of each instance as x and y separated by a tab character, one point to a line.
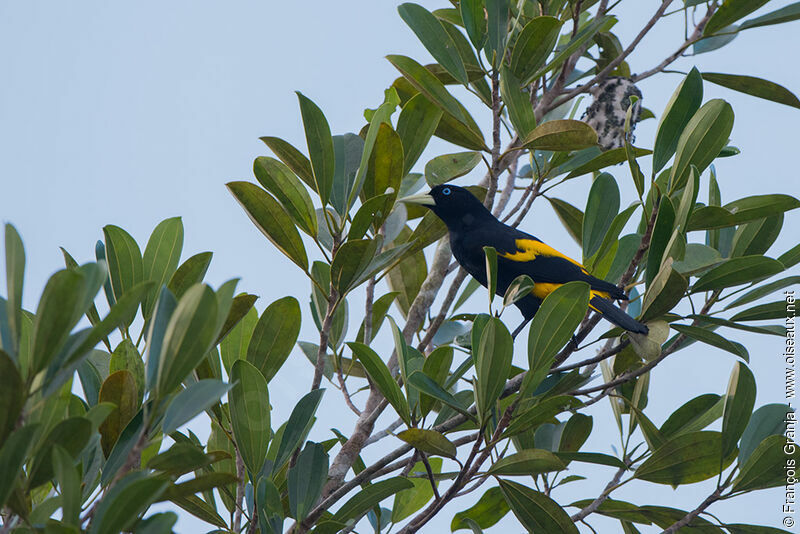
423	198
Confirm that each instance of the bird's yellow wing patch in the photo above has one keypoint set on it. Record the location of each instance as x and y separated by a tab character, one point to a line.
541	290
529	249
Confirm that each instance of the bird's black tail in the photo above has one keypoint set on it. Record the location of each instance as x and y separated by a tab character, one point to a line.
617	316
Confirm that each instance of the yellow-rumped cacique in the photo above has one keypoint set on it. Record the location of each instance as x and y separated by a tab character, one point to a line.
472	227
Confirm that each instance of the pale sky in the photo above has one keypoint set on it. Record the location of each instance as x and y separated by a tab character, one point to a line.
128	113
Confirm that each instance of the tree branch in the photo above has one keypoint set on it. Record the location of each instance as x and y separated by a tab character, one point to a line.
711	499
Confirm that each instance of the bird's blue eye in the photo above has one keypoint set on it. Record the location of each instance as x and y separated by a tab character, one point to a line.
446	191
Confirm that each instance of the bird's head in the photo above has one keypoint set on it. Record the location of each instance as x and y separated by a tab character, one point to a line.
450	203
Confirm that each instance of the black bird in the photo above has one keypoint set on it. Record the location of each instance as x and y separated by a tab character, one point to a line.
473	227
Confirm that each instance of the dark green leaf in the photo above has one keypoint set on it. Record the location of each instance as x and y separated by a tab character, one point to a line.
497	26
605	159
739	401
125	267
250	413
602	207
492	365
729	12
766	466
416	124
409	501
15	273
702	140
682	106
320	146
712	338
763	291
779	16
350	262
187	338
684	459
306	479
570	216
57	313
125	502
161	257
190	272
528	462
69	483
586	33
737	271
348	152
274	336
532	48
768	420
191	401
771	310
279	180
302	415
12	395
694	415
590	458
536	511
13	453
370	496
293	159
72	434
119	389
435	39
382	378
427	385
518	103
754	86
273	221
489	509
474	18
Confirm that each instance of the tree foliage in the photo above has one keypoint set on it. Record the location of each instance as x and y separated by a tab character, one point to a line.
92	404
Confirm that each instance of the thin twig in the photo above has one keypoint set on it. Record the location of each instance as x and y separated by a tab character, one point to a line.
711	499
237	515
595	504
368	310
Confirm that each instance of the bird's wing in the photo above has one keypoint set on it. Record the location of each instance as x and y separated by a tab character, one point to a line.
549	268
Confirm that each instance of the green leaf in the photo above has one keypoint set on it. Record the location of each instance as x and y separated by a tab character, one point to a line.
348	152
756	237
69	483
13	453
273	221
586	33
184	457
119	389
712	338
779	16
446	167
497	26
199	484
123	504
190	272
370	496
371	214
606	158
704	137
737	271
379	120
528	462
200	509
126	357
766	466
695	414
570	216
590	458
729	12
518	103
492	365
293	159
543	411
532	48
426	83
768	420
15	273
320	146
602	207
382	378
250	413
536	511
191	401
416	124
763	291
553	325
72	434
306	479
234	346
350	262
435	39
684	459
489	509
771	310
409	501
741	211
664	293
427	385
561	135
491	271
239	309
12	395
188	336
274	336
474	18
299	420
697	258
428	441
279	180
161	258
751	85
125	267
739	401
57	313
681	107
